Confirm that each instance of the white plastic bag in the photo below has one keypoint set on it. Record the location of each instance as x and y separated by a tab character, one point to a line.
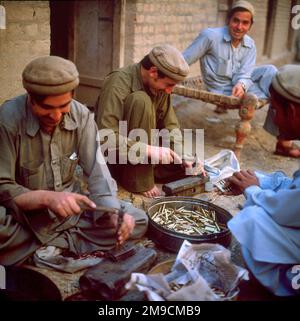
221	165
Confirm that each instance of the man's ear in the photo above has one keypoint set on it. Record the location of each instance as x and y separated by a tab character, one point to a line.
153	72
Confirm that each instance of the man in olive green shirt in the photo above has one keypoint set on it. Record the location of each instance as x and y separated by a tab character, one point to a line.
44	134
140	96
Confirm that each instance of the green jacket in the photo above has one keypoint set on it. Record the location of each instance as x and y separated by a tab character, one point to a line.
117	86
33	160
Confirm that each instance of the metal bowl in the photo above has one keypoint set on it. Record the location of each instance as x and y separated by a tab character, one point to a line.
172	240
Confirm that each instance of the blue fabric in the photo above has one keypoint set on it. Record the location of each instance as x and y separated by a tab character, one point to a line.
268	229
269	124
222	67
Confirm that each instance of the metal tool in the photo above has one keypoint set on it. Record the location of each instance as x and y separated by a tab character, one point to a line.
106	280
221	185
121	213
110	210
100	209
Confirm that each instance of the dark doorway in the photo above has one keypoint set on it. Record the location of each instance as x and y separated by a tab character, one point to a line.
60	23
87	33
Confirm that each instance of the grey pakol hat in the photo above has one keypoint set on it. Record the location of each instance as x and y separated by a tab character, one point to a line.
169	61
287	82
245	5
50	75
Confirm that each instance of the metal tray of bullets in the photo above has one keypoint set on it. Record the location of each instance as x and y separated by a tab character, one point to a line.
175	219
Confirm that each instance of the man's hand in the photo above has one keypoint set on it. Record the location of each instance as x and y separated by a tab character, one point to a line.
61	203
67	204
238	90
126	228
239	181
163	155
124	231
194	168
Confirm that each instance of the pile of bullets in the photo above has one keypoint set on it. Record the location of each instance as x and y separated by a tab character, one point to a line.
198	220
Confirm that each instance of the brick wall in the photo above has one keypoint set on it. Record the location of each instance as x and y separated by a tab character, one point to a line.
27	35
258	30
153	22
147	23
281	31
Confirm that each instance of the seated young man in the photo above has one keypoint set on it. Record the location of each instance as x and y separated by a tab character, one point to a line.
227	58
139	96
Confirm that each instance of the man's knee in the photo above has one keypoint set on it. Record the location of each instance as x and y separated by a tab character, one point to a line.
270	70
266	71
262	78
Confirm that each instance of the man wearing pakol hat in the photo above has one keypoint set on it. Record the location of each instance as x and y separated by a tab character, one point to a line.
44	134
139	95
268	228
227	58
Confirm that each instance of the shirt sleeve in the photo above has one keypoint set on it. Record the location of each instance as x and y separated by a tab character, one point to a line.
246	67
282	205
9	188
102	187
273	181
198	48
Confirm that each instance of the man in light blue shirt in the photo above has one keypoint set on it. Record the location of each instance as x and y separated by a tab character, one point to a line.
268	227
227	56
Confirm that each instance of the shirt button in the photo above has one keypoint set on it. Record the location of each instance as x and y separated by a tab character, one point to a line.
53	162
57	184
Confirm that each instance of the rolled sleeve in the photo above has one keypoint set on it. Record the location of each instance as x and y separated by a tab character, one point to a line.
273	181
282	206
198	48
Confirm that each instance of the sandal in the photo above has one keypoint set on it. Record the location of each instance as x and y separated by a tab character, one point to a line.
292	151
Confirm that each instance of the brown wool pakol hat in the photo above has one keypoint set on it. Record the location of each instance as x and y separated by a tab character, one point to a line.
287	82
50	75
245	5
169	61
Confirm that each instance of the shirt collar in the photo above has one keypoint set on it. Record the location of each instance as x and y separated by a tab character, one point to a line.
33	125
246	42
